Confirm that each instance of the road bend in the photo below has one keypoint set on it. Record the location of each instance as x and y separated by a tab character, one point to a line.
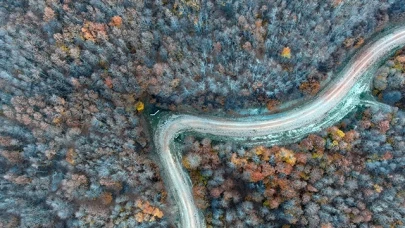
331	105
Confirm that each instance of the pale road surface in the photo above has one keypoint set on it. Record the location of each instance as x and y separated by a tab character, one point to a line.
332	104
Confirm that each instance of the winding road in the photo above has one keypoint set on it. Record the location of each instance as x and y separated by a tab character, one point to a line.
331	105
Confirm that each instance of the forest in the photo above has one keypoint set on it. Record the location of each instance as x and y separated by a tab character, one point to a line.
77	79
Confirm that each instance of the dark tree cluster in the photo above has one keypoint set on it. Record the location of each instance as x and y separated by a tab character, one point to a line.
389	81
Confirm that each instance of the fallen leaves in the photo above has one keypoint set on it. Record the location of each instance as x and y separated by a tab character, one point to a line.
286	53
378	188
49	14
310	88
272	105
286	156
108	82
70	156
106	198
91	31
139	106
148	212
116	21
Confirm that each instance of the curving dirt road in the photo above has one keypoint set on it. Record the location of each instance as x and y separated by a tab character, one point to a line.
331	105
